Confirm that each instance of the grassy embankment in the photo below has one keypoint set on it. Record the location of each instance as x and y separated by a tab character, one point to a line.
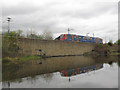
20	59
99	50
104	50
10	50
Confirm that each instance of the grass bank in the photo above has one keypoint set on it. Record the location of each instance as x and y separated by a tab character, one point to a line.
104	50
20	59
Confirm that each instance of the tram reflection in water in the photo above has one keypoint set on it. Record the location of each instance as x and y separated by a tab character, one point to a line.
72	72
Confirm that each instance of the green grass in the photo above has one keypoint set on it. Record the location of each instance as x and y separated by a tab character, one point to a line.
30	58
19	59
115	53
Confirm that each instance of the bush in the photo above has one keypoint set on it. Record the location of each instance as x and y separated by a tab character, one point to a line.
102	49
110	43
9	44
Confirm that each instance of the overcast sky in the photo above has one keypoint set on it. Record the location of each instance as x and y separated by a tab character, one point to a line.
96	16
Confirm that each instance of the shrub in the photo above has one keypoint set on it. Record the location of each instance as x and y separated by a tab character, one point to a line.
110	43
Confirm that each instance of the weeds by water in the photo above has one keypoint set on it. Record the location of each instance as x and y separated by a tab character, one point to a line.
19	59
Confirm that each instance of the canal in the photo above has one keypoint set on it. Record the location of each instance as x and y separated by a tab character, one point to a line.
62	72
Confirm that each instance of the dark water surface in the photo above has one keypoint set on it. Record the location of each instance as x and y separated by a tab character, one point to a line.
63	72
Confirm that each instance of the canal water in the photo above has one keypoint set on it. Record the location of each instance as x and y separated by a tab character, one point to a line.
63	72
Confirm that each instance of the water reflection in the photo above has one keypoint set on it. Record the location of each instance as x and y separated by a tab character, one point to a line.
47	77
51	70
72	72
119	60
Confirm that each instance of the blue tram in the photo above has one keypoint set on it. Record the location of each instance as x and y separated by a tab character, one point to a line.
79	38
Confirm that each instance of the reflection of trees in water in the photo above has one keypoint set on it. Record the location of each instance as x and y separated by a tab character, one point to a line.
110	63
7	84
32	79
0	70
106	59
9	72
47	77
15	71
119	60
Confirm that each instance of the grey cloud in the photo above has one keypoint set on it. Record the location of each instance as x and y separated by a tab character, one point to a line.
97	9
54	17
27	8
119	35
31	22
112	31
20	9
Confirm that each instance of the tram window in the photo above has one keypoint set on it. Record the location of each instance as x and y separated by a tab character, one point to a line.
79	37
95	39
83	37
61	36
75	37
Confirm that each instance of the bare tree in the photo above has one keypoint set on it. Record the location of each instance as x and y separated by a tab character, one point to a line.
47	35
